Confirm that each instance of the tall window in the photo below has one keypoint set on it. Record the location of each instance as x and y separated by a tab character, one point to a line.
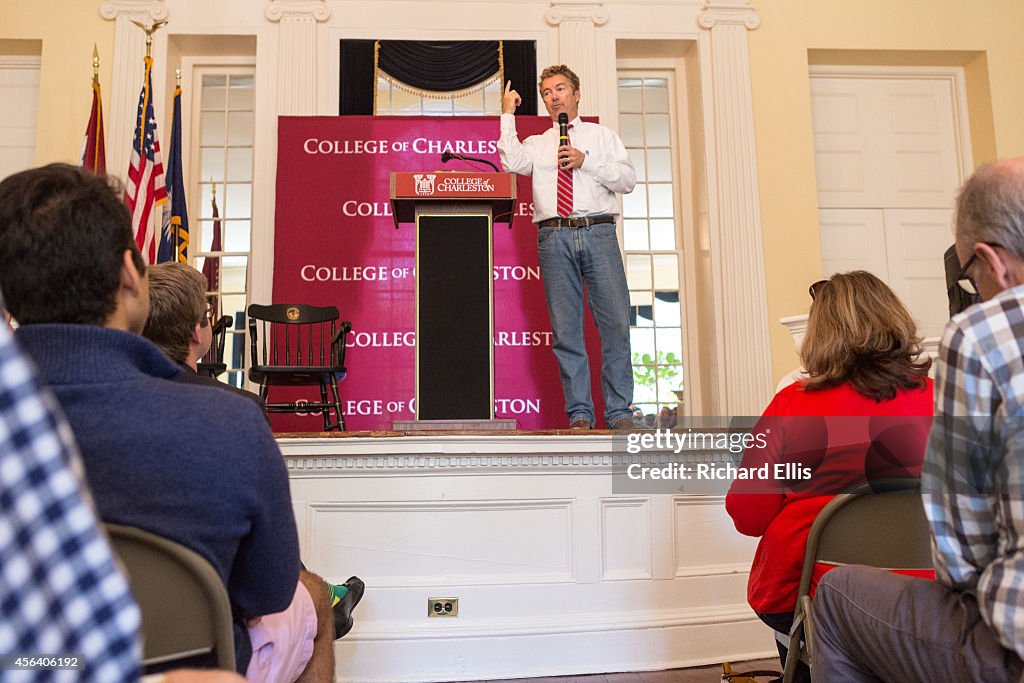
652	244
224	109
397	99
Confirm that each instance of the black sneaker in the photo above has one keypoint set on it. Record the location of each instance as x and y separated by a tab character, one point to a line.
343	610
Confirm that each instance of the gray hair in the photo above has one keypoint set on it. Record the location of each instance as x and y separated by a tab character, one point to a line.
990	207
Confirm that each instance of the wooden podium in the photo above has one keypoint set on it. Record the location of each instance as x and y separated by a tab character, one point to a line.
454	214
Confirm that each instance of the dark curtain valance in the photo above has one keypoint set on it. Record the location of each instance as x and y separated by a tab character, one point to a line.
438	66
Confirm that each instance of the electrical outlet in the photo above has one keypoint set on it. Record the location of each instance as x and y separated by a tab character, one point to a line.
442	607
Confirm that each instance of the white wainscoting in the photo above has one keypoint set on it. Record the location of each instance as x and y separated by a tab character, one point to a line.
555	573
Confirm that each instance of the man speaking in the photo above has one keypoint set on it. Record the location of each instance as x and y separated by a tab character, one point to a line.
576	173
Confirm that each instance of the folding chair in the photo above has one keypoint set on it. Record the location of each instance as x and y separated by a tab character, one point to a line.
185	607
299	345
887	529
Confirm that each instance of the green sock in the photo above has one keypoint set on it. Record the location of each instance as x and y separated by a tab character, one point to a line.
337	593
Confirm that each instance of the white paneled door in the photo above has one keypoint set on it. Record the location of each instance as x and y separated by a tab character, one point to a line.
891	149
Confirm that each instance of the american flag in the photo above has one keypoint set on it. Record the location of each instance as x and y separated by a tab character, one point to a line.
145	186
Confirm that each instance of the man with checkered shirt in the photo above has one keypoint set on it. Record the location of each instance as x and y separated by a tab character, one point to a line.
968	625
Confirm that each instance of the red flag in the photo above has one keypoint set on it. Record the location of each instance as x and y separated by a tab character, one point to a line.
94	154
211	265
145	186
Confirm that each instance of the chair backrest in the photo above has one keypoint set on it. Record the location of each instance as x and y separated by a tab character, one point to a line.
285	335
185	607
884	529
212	363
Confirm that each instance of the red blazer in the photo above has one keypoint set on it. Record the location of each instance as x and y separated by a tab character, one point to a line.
840	438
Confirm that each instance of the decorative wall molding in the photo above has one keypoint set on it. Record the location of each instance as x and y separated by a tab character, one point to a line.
639	508
583	11
298	9
577	44
145	11
737	245
297	53
728	12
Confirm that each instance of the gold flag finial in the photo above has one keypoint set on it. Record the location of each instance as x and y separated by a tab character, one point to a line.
177	77
150	30
213	188
95	61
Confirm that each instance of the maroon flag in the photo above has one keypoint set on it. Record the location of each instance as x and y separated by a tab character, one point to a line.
94	154
145	186
211	265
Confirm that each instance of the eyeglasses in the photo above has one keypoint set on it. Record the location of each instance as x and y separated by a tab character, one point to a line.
814	289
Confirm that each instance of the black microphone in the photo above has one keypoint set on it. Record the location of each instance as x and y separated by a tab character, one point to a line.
563	132
448	156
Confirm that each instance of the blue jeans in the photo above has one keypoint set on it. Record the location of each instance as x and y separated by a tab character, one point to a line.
570	257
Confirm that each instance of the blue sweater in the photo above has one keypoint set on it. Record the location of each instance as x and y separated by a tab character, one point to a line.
194	464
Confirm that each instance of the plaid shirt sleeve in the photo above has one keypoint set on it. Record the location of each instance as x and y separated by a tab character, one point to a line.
61	592
974	463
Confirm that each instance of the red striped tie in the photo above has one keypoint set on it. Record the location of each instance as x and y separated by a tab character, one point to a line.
565	190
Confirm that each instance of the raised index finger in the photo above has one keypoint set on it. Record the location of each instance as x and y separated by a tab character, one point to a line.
508	86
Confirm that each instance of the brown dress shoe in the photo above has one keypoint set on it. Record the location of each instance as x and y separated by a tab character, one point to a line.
581	424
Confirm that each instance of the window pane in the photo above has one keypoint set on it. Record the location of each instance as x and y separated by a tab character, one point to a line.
382	101
666	309
659	163
211	163
232	273
239	163
630	95
211	128
437	106
403	102
657	130
638	271
670	381
233	305
241	93
641	316
634	204
637	157
205	203
663	234
641	298
238	201
656	95
666	272
634	233
670	341
236	235
641	341
470	102
631	130
214	92
661	200
241	125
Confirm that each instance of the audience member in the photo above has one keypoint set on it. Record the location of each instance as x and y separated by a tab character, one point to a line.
862	355
969	624
179	323
61	591
73	278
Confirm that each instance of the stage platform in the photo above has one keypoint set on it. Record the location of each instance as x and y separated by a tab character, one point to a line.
556	573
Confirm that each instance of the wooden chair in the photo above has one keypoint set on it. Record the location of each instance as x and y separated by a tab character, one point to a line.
185	607
879	525
212	364
299	345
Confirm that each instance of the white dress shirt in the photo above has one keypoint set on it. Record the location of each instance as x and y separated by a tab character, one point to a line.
606	170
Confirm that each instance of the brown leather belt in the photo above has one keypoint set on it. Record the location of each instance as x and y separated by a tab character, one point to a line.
577	221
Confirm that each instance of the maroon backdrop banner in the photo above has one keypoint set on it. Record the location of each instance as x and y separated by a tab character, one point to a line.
335	243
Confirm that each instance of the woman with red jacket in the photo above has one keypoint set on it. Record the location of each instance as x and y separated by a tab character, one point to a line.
862	414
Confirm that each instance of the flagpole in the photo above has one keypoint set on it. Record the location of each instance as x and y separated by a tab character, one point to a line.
177	227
